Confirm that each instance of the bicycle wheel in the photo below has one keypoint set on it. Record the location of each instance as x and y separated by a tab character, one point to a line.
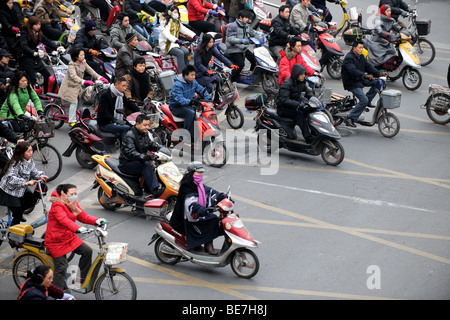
115	285
48	159
425	51
22	265
55	112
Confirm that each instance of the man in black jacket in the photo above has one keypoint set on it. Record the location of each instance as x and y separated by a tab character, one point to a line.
357	72
290	103
112	100
134	157
281	32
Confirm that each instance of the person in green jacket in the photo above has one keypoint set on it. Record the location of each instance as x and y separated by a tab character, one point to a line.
18	95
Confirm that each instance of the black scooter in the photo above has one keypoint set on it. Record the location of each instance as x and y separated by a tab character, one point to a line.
275	131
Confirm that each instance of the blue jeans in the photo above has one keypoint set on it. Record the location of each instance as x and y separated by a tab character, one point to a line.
118	129
364	100
187	113
141	30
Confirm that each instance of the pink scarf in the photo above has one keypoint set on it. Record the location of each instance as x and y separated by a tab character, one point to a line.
201	189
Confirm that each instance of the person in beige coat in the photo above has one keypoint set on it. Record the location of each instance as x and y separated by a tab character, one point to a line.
73	80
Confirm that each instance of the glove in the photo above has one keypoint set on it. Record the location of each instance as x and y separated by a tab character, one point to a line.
82	230
210	73
103	79
196	37
15	29
404	14
180	42
139	15
35	54
318	74
220	9
234	67
213	13
245	41
87	83
100	222
94	52
149	156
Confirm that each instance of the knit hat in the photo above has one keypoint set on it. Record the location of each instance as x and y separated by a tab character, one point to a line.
90	25
129	37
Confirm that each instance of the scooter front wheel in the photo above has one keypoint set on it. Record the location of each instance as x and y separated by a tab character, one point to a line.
235	117
388	125
215	154
162	249
244	263
332	152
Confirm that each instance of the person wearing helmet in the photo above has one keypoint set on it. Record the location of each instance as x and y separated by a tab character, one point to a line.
290	103
190	215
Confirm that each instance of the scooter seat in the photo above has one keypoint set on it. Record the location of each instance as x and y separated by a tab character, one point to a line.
274	114
92	125
113	163
177	119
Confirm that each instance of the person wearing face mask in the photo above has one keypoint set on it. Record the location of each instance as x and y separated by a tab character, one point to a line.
19	173
202	56
169	31
60	236
190	215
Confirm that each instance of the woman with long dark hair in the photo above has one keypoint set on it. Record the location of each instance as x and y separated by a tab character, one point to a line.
202	55
30	39
19	173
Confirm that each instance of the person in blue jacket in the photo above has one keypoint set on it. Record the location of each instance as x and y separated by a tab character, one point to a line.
183	90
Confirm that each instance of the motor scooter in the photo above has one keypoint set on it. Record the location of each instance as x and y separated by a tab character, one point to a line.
226	92
278	132
171	246
119	189
331	51
438	103
208	138
405	64
107	59
388	123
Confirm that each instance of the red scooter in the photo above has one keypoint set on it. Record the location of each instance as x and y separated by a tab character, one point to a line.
208	137
331	51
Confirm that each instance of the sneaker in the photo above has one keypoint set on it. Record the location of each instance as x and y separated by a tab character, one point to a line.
72	124
350	122
148	196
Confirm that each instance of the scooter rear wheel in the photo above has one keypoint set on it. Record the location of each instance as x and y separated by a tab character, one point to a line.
84	159
332	155
107	206
437	107
334	68
244	263
162	256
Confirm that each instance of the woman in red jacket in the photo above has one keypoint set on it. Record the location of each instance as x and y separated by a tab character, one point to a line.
196	15
60	237
290	56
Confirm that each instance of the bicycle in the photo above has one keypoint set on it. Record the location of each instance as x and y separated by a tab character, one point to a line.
111	284
418	30
45	156
59	113
5	223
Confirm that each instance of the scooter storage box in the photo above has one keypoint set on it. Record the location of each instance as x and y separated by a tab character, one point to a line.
19	232
156	208
254	101
167	79
391	99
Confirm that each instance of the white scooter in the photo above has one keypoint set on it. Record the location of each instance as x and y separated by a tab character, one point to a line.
171	246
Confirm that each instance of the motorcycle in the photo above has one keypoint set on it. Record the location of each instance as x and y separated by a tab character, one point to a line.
171	246
118	189
87	140
208	138
438	104
405	64
388	123
274	131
